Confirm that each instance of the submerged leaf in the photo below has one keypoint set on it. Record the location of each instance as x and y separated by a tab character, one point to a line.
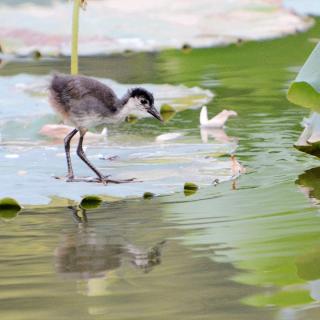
9	208
90	202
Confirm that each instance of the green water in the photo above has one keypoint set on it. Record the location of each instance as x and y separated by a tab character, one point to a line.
248	250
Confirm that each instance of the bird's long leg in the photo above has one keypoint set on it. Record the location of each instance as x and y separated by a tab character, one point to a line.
82	156
67	141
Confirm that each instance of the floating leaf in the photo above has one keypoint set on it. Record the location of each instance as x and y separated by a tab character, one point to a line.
190	188
167	112
165	108
90	202
186	48
36	21
305	90
148	195
9	208
135	152
36	55
131	118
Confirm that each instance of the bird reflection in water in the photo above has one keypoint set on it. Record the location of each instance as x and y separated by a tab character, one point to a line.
95	259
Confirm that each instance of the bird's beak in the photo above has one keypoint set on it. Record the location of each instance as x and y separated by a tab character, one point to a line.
153	111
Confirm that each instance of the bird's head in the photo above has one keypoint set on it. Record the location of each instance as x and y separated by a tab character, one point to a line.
142	100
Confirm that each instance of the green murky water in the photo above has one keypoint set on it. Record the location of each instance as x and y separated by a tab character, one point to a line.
248	250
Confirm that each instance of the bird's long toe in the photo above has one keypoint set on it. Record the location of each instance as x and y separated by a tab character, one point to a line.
70	178
82	179
106	180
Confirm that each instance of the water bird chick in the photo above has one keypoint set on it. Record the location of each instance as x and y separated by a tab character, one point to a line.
217	121
84	102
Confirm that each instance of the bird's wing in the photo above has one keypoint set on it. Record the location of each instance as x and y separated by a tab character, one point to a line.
66	88
96	89
69	88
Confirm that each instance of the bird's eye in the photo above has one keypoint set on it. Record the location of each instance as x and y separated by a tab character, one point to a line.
143	101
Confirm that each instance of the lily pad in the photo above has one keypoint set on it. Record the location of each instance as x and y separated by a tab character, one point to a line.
190	188
120	26
166	108
9	208
28	160
167	112
90	202
148	195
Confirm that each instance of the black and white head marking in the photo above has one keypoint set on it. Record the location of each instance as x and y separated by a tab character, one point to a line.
142	100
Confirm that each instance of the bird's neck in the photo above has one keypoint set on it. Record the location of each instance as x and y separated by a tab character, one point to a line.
124	101
125	106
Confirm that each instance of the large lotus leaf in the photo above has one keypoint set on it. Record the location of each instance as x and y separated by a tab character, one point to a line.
115	26
27	171
28	160
305	90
